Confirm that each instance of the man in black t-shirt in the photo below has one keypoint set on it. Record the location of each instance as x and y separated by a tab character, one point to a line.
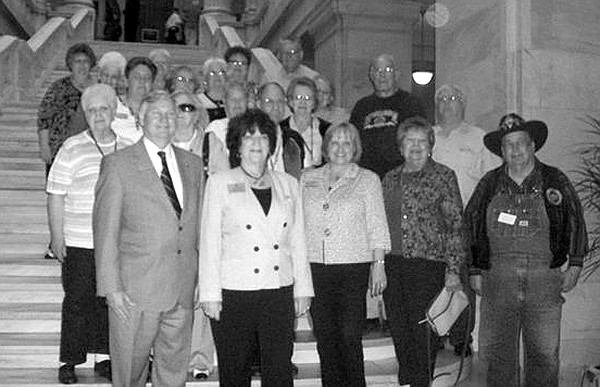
378	115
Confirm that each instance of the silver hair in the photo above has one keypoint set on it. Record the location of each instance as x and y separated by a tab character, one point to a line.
101	90
158	52
113	59
210	61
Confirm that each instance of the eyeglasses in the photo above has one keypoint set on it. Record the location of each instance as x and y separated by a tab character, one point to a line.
382	72
292	53
303	97
181	78
217	73
237	63
452	98
186	108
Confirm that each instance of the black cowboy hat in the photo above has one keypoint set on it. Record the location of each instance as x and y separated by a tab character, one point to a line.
537	130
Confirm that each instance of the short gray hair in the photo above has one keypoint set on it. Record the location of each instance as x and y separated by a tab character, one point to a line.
210	61
101	90
159	52
113	59
155	96
415	123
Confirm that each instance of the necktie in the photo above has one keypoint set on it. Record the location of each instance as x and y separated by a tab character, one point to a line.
165	176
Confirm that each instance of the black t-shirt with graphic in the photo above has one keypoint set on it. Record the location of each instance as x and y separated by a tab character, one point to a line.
377	120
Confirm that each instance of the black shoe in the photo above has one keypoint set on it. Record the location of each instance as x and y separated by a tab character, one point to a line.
200	374
149	371
103	369
66	374
458	350
49	255
294	369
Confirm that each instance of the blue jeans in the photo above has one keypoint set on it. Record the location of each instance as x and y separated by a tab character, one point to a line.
521	295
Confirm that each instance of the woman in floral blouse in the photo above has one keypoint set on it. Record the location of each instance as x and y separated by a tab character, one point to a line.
347	237
61	101
424	211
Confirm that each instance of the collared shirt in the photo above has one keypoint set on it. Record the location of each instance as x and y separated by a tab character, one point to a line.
312	142
346	223
276	159
424	212
125	124
463	151
153	150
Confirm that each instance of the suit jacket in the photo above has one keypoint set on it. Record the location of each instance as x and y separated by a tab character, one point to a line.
241	248
141	247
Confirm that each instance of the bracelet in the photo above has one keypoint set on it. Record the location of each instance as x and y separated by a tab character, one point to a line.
380	261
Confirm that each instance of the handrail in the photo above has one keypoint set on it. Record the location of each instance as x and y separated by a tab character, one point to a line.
25	65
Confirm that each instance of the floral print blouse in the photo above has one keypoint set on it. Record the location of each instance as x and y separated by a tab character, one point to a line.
58	106
424	211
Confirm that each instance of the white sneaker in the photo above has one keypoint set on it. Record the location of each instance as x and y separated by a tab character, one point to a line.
200	374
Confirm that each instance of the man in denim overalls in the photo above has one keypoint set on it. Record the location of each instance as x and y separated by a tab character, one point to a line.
524	221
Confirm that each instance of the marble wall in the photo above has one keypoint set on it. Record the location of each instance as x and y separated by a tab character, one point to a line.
541	59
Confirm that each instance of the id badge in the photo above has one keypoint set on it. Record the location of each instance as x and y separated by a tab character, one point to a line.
506	218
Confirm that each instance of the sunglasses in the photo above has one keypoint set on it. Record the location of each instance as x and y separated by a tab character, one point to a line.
186	108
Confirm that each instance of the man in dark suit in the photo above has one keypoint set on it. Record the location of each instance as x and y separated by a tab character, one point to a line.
146	235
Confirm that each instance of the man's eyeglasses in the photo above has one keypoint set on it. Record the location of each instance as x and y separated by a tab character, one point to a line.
303	97
292	53
186	108
181	78
237	63
382	72
219	73
451	98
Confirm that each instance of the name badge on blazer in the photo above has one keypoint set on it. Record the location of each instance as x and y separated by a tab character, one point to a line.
236	187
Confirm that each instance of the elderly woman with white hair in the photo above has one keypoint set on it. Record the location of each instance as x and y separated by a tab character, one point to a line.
111	70
70	189
326	97
162	59
214	71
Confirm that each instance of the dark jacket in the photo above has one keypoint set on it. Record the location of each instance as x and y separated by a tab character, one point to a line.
568	236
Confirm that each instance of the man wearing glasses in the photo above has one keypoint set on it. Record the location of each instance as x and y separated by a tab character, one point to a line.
290	55
378	115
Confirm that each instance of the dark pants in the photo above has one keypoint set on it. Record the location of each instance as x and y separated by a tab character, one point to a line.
84	327
338	314
412	286
268	313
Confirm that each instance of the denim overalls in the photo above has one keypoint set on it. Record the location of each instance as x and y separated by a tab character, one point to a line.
521	294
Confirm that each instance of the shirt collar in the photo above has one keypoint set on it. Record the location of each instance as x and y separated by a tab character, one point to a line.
153	149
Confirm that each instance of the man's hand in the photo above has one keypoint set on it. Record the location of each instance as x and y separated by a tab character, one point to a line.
59	249
301	305
212	309
378	279
121	304
570	278
452	282
476	284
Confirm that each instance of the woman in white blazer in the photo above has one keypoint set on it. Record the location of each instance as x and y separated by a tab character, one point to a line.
254	275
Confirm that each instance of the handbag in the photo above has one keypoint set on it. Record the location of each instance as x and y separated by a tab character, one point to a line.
445	310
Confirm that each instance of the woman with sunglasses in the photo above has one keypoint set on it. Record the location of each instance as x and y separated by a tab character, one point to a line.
302	100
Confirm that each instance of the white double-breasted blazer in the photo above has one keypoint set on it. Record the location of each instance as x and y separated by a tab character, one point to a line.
241	248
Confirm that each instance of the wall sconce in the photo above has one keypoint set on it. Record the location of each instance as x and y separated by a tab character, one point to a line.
422	74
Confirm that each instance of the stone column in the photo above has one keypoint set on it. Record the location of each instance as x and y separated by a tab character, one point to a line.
540	59
219	9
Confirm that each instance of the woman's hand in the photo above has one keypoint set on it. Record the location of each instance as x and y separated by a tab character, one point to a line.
378	279
212	309
301	304
453	283
476	284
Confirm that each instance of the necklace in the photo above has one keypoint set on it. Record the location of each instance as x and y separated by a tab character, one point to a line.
255	180
98	145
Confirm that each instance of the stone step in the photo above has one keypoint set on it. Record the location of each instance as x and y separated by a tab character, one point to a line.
19	154
21	197
19	145
43	311
14	248
30	266
34	165
18	135
24	228
23	214
10	180
16	120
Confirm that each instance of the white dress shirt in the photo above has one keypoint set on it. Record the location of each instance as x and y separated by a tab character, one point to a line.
153	150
